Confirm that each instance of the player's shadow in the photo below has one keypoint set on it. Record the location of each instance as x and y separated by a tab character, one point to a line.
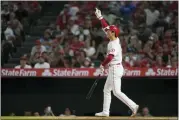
111	114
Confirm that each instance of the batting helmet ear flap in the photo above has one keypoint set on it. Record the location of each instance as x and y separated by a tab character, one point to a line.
114	33
114	29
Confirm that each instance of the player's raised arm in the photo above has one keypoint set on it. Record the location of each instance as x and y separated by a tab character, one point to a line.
100	17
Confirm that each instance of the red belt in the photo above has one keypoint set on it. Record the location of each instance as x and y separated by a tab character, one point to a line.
115	64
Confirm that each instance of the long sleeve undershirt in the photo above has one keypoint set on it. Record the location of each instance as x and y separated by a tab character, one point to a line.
104	23
107	59
110	56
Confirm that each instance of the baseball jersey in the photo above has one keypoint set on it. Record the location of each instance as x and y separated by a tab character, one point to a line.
114	48
43	65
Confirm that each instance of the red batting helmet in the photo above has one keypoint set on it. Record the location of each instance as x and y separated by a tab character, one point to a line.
114	29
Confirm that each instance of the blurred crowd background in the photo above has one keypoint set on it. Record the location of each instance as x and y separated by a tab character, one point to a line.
44	35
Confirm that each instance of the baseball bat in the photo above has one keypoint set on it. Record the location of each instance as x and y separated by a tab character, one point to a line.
88	96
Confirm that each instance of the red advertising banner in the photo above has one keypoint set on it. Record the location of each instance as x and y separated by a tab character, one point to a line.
87	72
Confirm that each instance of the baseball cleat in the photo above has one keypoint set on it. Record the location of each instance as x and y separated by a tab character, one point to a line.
102	114
135	111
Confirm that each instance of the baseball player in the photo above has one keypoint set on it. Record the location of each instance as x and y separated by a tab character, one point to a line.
114	61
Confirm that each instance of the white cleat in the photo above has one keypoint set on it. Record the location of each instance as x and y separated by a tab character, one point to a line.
135	111
102	114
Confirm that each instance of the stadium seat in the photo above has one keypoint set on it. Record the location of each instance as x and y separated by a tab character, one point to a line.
14	60
97	63
49	18
9	65
40	27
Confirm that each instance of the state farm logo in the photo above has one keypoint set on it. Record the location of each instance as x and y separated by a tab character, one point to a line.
98	72
162	72
166	72
126	72
131	72
66	72
46	73
18	72
150	72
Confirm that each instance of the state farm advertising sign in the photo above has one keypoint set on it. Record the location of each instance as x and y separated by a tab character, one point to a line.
60	72
88	72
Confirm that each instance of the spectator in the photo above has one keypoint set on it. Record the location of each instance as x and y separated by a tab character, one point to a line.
57	43
159	62
34	6
67	62
148	33
34	58
41	63
57	61
110	17
67	112
38	48
46	40
46	57
134	45
80	56
96	33
21	13
87	25
172	62
101	49
12	114
36	114
9	31
5	8
126	10
62	18
151	15
144	33
82	33
139	15
73	10
131	59
75	63
75	45
87	63
89	50
13	15
145	112
148	50
18	31
5	11
48	111
23	63
7	49
53	31
27	113
72	26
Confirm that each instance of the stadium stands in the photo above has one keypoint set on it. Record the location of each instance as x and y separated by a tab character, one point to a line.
73	36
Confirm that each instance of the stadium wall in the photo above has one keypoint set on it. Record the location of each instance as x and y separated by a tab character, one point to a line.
35	93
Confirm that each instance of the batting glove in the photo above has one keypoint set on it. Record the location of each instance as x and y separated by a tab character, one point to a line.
98	14
102	69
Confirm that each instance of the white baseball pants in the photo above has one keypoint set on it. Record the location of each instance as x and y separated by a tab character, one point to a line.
113	83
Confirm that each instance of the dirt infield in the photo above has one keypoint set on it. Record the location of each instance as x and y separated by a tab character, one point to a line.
88	118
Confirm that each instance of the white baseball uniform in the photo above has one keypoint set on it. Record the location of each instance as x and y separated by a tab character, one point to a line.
113	82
